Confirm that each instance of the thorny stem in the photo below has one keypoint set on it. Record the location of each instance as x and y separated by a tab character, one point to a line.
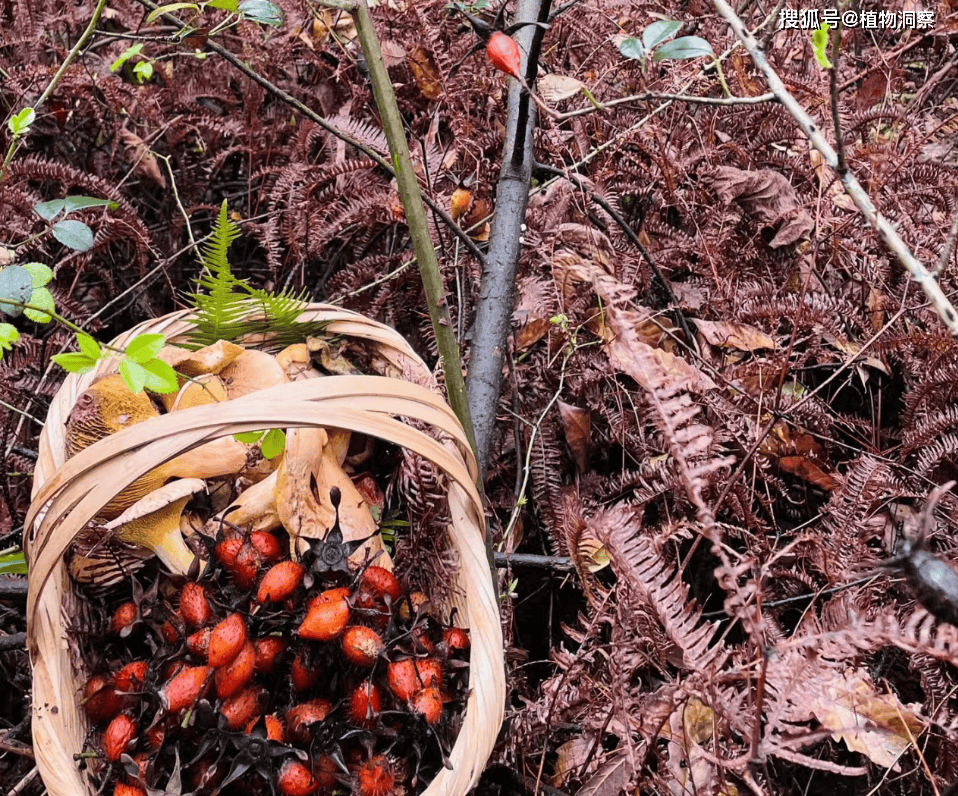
943	306
655	95
84	37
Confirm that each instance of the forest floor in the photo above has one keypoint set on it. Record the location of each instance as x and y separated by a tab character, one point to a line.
726	400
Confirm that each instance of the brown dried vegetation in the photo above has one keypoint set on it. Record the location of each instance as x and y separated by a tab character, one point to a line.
744	455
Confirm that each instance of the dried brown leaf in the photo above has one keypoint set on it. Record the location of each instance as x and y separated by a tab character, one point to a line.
426	73
144	161
577	426
734	335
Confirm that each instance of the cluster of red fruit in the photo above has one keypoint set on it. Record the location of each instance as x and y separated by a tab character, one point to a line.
271	675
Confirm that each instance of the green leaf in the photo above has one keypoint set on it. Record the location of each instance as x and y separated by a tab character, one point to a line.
20	122
226	5
658	32
89	346
249	437
13	564
133	374
8	336
16	285
820	39
72	203
74	234
632	48
145	347
262	11
143	71
169	8
41	299
160	376
50	210
40	273
686	47
126	55
274	443
75	363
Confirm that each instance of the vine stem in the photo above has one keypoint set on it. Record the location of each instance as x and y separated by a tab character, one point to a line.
81	42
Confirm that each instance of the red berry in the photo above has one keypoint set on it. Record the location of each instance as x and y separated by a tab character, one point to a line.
280	581
275	731
227	550
376	777
128	789
101	700
300	717
198	643
268	649
365	704
131	677
195	605
227	640
305	671
246	567
427	703
123	619
266	545
380	581
401	678
295	779
184	688
244	707
362	645
325	772
456	638
118	737
327	616
504	54
232	678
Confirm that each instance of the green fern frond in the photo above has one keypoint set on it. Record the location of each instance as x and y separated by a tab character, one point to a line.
223	302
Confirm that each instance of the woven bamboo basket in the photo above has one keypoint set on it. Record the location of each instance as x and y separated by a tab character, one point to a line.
68	494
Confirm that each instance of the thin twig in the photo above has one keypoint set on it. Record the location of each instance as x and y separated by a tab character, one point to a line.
13	587
14	641
655	95
948	247
531	561
833	92
853	188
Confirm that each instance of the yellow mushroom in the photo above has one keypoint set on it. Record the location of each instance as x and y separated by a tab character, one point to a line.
154	522
109	406
251	371
296	363
204	389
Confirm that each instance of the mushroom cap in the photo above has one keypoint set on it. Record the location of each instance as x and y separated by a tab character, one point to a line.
251	371
205	389
106	407
209	359
157	500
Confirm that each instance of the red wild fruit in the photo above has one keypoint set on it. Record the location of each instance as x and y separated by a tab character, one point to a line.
380	581
325	773
128	789
123	618
227	640
268	649
184	688
246	567
401	678
275	731
504	54
300	717
101	700
244	707
280	581
155	736
233	677
377	777
131	677
327	616
305	671
295	779
195	605
428	704
266	545
227	550
362	645
365	703
118	737
456	638
198	643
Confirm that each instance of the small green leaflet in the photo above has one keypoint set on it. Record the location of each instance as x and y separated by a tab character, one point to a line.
154	375
8	336
658	32
74	234
632	48
13	564
820	39
249	437
262	11
686	47
145	347
143	71
74	362
20	122
274	443
16	285
126	55
168	9
89	346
